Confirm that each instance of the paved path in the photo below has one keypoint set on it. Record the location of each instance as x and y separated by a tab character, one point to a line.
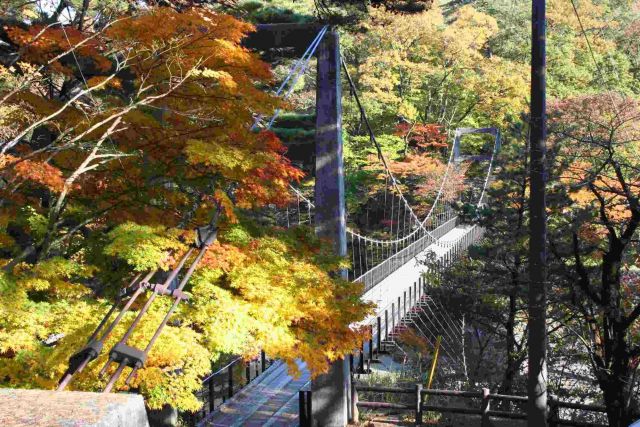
441	248
270	400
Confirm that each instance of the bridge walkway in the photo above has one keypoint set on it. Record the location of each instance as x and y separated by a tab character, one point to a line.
270	400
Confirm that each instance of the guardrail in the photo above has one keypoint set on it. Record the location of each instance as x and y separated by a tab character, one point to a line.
378	273
419	405
224	383
391	315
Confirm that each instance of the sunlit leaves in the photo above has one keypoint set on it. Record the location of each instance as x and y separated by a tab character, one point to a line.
37	172
272	292
428	70
597	139
143	247
254	292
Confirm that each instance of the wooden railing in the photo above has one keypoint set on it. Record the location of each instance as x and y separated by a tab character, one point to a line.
419	405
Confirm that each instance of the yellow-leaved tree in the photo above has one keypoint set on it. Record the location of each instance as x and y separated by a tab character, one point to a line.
119	138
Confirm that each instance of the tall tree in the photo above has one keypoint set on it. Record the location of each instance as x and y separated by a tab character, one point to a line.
537	363
116	140
596	213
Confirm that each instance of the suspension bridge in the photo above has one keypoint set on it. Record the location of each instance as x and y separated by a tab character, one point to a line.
390	252
390	261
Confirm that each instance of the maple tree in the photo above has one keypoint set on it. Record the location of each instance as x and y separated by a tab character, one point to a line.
425	69
422	136
597	214
117	139
593	304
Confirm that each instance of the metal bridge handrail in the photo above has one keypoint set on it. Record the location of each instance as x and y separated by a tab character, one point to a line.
213	374
414	248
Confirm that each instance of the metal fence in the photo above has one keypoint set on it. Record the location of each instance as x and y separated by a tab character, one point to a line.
224	383
381	271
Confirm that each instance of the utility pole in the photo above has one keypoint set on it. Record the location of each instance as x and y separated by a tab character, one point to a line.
330	391
537	380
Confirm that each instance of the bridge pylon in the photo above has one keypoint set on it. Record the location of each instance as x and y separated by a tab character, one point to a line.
330	391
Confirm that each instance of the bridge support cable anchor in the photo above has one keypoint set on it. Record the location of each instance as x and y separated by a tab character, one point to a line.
121	353
79	360
127	356
155	291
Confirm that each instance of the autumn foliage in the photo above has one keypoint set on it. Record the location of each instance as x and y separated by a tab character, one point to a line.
422	136
116	141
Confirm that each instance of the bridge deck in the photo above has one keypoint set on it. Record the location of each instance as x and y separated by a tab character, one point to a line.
271	400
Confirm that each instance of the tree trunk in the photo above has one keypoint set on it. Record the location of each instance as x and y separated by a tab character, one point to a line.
616	375
513	363
616	390
537	377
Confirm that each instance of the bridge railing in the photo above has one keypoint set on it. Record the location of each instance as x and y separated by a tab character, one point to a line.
418	404
391	315
471	235
224	383
381	271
